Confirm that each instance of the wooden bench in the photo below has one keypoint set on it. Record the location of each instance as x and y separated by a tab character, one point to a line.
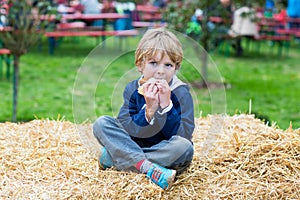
5	55
281	40
144	24
149	13
70	26
90	33
286	31
297	34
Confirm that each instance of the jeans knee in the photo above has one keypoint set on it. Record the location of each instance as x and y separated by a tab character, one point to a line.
99	124
184	161
187	145
189	153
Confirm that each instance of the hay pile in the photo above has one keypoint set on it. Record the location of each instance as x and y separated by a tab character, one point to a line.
46	159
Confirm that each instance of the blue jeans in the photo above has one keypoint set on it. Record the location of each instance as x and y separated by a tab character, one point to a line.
175	153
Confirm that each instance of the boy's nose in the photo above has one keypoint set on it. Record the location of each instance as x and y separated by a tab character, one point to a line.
161	69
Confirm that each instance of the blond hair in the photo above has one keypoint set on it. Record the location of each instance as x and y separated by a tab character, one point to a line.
155	40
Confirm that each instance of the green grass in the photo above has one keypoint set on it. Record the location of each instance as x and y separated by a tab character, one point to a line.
272	83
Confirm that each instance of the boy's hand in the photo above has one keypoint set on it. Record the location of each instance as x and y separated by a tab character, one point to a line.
164	93
151	98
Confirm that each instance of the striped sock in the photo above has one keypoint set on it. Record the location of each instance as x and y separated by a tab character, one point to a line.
143	166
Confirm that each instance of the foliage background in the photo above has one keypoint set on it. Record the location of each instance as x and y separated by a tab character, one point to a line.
47	81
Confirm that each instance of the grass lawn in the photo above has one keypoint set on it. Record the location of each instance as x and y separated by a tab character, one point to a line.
49	82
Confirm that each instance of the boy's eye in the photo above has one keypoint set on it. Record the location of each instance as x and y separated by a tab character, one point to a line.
153	63
168	65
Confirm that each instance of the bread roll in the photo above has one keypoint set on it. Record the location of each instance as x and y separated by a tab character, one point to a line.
142	81
140	89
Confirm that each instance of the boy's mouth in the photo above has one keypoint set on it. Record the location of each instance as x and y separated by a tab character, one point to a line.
159	78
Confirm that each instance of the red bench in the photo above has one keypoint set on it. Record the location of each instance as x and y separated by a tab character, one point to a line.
149	13
91	33
143	24
286	31
70	26
281	40
297	34
5	55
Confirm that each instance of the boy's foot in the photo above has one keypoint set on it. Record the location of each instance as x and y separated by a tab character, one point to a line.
105	160
161	176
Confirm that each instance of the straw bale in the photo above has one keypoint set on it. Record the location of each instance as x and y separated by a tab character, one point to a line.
236	157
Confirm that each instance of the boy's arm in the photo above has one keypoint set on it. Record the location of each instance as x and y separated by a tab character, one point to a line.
180	119
132	115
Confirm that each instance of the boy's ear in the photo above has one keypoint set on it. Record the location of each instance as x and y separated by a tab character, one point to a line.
140	69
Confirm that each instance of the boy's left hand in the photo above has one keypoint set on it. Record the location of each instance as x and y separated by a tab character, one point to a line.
164	93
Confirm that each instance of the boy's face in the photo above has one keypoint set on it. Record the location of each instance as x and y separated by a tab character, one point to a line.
159	67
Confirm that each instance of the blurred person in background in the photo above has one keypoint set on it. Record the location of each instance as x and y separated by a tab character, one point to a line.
224	10
293	11
269	8
281	15
160	3
3	12
92	7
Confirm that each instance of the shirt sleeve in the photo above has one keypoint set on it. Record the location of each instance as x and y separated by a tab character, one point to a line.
161	112
176	119
167	109
179	120
132	115
151	122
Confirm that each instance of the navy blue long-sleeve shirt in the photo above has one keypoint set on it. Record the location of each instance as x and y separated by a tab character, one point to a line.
177	121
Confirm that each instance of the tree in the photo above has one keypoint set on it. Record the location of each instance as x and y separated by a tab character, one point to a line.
26	22
178	15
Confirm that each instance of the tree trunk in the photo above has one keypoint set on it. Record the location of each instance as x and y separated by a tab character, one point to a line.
204	56
204	69
15	87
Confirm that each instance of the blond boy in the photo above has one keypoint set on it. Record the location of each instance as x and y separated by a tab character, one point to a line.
153	131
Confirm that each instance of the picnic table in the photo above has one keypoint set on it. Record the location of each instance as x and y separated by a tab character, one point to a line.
75	31
149	13
92	17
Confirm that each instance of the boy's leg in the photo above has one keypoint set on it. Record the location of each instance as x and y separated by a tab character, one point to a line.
125	153
176	153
